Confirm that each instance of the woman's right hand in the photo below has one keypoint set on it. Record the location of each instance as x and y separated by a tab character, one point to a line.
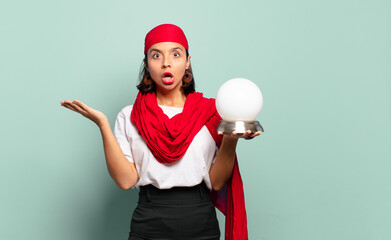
94	115
123	172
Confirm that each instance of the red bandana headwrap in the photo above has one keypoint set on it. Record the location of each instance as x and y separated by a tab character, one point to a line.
169	138
165	33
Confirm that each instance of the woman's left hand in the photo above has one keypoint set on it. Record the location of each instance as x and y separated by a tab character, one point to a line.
247	135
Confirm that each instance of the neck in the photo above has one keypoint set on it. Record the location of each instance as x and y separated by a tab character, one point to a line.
171	98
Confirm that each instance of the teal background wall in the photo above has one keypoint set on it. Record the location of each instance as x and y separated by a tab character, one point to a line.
320	171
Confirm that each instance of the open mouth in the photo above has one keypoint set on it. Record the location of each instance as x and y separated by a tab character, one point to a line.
168	78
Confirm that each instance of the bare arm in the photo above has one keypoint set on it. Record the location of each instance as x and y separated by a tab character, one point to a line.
123	172
221	170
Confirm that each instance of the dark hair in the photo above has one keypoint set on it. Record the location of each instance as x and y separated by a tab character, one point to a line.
144	88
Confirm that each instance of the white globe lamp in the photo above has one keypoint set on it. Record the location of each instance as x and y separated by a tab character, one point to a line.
239	101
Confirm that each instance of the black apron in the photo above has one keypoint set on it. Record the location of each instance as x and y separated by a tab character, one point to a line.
179	213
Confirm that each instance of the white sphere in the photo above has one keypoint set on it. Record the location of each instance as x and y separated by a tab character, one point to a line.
239	99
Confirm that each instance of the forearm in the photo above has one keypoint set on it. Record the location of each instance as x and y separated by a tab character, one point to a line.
221	170
122	171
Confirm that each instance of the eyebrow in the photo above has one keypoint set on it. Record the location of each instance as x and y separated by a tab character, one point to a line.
157	50
154	49
175	48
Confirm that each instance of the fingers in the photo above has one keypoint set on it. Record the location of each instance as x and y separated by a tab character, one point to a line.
81	104
251	136
68	104
256	134
79	108
247	135
74	106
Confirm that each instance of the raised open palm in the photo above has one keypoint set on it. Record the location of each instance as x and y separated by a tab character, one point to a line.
88	112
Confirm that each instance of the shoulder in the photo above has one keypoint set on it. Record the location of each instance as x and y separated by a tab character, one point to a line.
125	112
123	122
124	115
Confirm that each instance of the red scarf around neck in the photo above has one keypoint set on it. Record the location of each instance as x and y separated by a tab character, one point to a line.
169	138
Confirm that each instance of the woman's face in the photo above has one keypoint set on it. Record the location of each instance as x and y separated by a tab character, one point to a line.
167	63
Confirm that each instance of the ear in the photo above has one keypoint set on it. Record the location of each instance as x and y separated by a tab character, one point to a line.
188	62
146	65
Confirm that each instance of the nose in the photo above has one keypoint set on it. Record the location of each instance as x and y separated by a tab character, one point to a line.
166	62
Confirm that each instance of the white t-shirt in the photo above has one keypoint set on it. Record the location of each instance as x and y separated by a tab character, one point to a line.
190	170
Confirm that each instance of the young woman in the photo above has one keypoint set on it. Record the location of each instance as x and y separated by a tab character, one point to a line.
166	144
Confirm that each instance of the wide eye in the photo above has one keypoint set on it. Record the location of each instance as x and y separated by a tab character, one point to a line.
176	54
156	55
